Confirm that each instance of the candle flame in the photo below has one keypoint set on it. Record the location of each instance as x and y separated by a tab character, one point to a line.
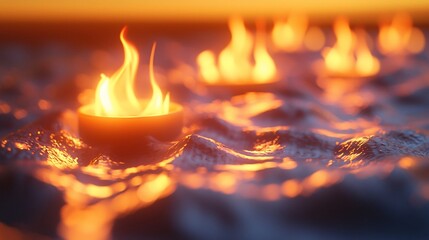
400	36
234	63
350	55
115	95
288	35
294	34
265	68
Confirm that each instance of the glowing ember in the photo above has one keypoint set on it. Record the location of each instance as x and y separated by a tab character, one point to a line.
350	55
400	36
115	95
234	65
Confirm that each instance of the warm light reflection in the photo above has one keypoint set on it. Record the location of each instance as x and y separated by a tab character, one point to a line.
399	36
234	64
240	109
4	108
351	150
115	95
44	104
350	56
291	188
263	169
319	179
120	191
82	220
407	162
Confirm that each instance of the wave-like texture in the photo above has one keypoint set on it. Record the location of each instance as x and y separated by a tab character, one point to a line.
297	162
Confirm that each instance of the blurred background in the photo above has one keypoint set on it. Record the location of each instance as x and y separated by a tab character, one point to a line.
197	11
85	22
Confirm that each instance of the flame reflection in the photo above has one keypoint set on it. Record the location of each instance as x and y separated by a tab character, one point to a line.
92	206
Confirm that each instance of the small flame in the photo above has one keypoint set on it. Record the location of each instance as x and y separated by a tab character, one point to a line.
294	34
350	55
115	95
288	35
234	63
265	68
400	36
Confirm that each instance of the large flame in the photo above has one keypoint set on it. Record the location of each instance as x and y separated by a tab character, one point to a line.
115	95
400	36
350	55
234	64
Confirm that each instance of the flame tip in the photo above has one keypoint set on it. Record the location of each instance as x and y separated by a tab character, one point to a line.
115	96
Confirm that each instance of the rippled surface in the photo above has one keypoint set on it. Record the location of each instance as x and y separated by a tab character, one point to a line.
312	158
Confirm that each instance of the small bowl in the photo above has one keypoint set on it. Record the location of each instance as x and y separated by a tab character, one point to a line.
128	132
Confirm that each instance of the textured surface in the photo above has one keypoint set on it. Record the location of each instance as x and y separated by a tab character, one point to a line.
306	160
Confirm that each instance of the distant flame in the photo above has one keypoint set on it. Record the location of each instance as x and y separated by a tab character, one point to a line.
115	95
288	35
294	34
234	64
350	54
400	36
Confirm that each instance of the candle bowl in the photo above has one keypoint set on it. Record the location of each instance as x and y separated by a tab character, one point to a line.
320	69
128	133
230	89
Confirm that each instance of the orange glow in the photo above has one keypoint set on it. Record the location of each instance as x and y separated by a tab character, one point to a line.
288	35
242	108
353	154
407	162
291	188
314	39
20	114
149	192
193	180
4	108
321	178
94	221
400	36
44	105
288	164
271	192
254	167
318	179
196	10
98	191
234	65
115	95
224	182
350	55
22	146
59	158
